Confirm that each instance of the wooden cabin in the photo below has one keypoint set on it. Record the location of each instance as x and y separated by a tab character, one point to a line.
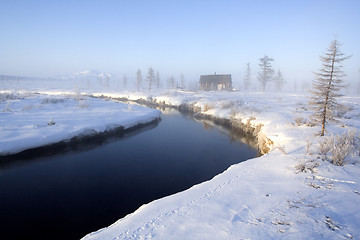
216	82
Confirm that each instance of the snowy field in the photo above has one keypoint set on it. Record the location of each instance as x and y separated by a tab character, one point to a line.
33	120
292	192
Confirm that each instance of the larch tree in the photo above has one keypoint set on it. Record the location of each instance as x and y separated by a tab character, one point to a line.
138	80
182	81
279	81
107	81
150	78
266	72
157	80
171	82
247	79
327	85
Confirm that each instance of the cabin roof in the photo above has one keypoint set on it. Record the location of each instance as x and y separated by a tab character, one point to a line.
217	78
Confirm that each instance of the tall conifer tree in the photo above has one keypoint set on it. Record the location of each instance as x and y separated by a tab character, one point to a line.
327	85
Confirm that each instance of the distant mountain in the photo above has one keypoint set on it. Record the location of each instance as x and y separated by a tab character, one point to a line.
89	74
13	77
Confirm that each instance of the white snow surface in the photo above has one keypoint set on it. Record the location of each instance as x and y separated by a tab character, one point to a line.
263	198
268	197
32	120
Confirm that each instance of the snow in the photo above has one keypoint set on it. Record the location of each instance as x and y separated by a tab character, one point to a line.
263	198
291	192
257	199
29	121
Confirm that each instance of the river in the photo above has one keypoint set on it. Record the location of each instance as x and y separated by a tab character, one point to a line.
69	192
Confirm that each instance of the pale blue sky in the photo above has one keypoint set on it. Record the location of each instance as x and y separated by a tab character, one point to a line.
48	38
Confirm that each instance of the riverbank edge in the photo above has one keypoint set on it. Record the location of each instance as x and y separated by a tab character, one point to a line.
68	144
264	144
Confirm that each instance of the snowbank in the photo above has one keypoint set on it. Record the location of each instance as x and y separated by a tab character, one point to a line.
289	193
29	121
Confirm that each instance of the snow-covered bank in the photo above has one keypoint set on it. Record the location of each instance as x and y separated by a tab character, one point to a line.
289	193
32	120
257	199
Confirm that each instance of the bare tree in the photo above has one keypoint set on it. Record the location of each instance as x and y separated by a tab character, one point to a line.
150	78
279	80
247	79
266	72
327	84
138	80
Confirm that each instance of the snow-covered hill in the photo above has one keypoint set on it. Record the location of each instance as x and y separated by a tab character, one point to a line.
89	74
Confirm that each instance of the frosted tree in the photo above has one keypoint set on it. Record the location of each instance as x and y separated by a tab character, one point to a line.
150	78
107	81
247	79
171	82
326	86
157	80
138	80
279	80
182	81
266	72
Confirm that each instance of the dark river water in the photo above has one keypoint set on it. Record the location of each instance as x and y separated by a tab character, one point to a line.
68	193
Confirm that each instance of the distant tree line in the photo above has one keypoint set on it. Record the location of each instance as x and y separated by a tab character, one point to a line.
265	75
153	81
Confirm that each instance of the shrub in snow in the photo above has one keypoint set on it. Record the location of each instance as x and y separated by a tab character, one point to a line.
308	145
233	114
343	146
83	104
77	95
336	148
8	96
207	107
27	107
51	122
306	166
298	121
52	100
301	107
326	145
342	110
7	107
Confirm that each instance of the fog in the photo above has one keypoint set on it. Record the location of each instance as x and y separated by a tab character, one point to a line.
189	38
